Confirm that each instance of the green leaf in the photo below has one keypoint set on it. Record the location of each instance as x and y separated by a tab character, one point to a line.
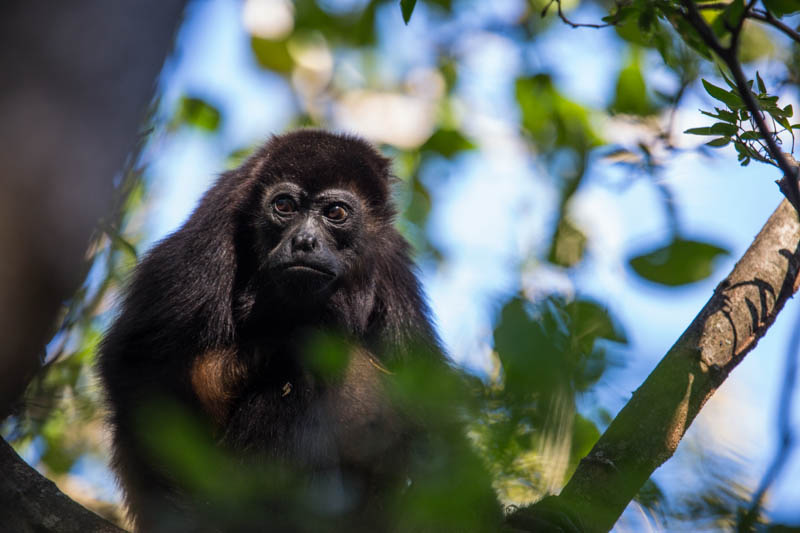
727	116
788	111
762	89
622	14
198	113
447	142
724	128
550	119
729	18
782	121
678	263
721	141
407	7
699	131
729	98
647	19
631	91
584	435
593	321
750	135
780	8
272	55
767	101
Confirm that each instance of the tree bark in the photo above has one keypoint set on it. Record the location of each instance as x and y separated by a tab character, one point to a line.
30	503
647	430
76	81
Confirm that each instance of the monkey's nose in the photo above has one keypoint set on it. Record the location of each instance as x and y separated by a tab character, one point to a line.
305	242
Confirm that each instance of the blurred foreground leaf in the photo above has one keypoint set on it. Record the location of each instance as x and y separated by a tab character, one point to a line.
447	142
197	113
679	263
407	7
272	55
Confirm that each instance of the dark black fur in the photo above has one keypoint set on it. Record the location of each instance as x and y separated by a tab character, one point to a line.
214	322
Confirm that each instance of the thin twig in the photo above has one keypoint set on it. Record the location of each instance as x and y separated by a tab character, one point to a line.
765	16
761	15
568	22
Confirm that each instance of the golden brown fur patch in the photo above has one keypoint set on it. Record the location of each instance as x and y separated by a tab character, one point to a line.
214	376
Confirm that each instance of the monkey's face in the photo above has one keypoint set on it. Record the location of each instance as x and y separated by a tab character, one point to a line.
310	238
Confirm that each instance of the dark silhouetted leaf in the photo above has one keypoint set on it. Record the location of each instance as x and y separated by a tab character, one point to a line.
721	141
780	8
699	131
761	87
407	7
447	142
724	128
678	263
750	135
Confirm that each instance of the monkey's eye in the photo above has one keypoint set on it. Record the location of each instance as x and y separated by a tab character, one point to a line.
336	213
284	205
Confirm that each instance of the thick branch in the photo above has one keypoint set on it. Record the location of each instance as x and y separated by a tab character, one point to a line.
648	429
32	503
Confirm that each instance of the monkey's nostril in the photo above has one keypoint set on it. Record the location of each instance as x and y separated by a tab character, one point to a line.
304	242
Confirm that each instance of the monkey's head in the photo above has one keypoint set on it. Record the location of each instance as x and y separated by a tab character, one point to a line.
325	206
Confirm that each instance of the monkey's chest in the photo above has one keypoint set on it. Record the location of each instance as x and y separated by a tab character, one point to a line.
295	417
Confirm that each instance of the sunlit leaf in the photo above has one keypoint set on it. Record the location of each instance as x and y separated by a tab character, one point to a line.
631	91
198	113
728	18
552	120
584	435
272	55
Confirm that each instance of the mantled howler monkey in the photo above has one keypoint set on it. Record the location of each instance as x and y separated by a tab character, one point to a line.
216	321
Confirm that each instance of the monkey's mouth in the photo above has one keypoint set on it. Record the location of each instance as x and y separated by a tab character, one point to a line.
308	269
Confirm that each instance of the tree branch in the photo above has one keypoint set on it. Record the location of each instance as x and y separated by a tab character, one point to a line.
30	503
788	184
568	22
761	15
648	429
